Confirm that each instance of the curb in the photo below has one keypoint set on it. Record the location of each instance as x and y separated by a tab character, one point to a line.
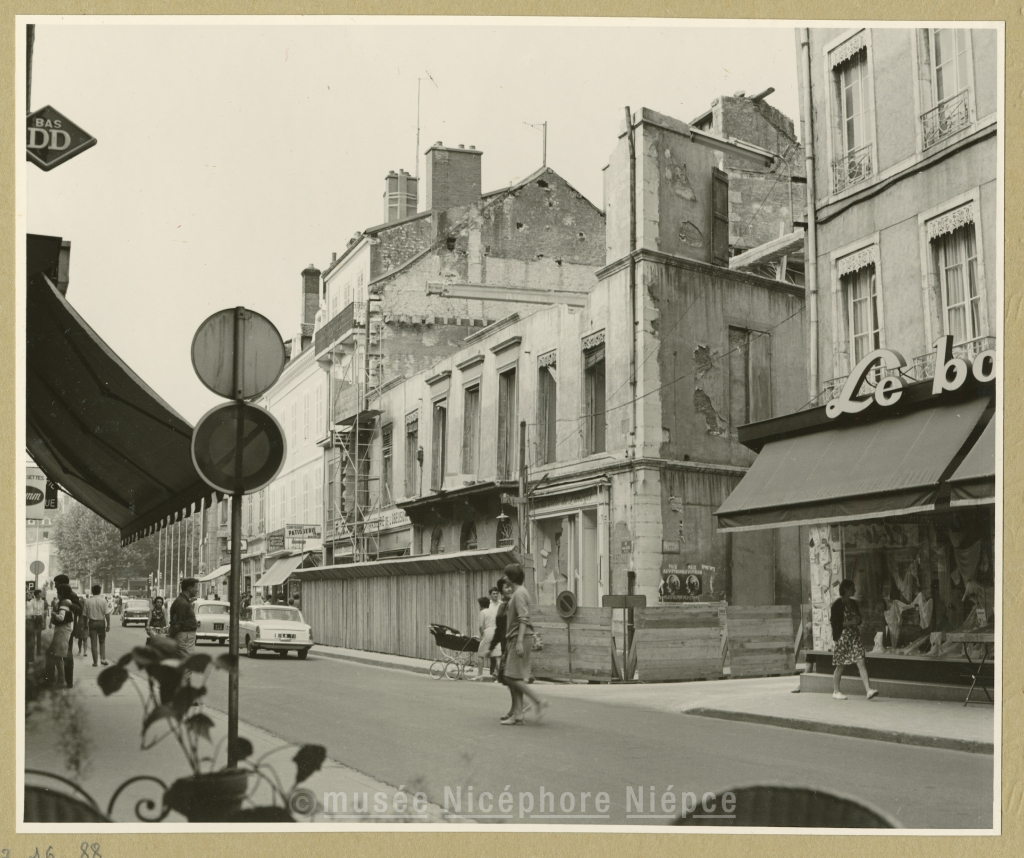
373	662
970	746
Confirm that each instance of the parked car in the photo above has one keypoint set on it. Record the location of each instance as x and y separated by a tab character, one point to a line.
275	627
135	611
214	618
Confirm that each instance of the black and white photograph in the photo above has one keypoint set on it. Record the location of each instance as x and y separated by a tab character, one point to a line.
508	424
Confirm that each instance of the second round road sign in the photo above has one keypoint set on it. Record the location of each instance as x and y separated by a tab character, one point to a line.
261	359
214	443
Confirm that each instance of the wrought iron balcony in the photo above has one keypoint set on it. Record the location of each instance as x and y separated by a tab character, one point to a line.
945	119
924	365
352	316
851	167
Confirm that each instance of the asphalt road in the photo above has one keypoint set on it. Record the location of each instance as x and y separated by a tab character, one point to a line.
407	729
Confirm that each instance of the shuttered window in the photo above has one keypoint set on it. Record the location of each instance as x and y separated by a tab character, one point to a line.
594	394
386	465
411	449
507	425
750	382
547	409
439	444
471	430
720	217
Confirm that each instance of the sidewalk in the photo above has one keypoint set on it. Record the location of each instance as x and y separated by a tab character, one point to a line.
770	701
112	755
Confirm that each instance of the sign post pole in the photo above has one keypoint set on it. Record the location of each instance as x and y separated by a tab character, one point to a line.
234	589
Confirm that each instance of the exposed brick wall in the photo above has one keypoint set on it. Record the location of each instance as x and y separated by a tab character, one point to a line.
544	219
452	177
398	244
310	295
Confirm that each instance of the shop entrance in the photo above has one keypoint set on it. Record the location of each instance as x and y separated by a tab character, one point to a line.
567	554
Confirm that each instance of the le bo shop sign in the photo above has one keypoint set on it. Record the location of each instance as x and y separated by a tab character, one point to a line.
950	374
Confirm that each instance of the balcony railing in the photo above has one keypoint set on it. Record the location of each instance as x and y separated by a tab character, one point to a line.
354	315
920	369
924	365
851	167
945	119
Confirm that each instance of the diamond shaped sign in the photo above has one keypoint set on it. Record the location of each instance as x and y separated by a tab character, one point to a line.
54	139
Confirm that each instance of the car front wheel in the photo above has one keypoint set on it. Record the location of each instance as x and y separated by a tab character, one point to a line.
303	653
250	648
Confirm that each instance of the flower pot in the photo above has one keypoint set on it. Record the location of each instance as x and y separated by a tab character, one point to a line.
209	798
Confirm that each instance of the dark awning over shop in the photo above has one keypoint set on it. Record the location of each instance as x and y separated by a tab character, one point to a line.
974	482
487	560
888	467
92	424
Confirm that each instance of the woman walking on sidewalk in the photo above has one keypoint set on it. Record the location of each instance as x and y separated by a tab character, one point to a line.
519	643
846	622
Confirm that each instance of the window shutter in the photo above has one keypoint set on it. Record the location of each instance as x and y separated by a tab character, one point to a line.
720	217
760	376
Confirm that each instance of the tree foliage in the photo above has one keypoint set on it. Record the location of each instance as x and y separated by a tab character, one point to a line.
88	545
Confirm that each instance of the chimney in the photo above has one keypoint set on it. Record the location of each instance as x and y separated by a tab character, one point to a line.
452	177
400	196
310	294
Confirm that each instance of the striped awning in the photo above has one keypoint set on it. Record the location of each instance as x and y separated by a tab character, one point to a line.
92	424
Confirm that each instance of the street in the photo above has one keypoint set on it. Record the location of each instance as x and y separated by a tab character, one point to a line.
407	729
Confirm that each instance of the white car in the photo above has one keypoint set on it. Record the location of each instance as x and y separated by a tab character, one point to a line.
214	618
274	627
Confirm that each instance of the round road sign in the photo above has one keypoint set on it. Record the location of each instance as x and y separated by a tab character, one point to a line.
37	567
214	442
213	353
565	604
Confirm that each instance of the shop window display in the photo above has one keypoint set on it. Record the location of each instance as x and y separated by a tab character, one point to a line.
915	578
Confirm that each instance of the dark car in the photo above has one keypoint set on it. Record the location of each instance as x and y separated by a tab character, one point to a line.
135	611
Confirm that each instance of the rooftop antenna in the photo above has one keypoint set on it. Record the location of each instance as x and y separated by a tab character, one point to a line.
419	80
543	126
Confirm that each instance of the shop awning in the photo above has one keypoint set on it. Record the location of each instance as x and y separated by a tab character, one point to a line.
974	482
888	467
280	571
487	560
92	424
219	572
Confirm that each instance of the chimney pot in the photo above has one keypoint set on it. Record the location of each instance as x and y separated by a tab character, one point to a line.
462	145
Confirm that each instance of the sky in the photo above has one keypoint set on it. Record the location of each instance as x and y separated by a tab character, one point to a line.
234	153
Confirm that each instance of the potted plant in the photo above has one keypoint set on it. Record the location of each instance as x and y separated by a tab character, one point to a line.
209	793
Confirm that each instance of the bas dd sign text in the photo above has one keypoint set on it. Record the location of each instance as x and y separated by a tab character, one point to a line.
54	139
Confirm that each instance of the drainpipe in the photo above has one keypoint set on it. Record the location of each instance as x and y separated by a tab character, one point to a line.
811	262
633	319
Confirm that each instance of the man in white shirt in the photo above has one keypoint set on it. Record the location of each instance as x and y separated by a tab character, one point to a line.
35	621
97	614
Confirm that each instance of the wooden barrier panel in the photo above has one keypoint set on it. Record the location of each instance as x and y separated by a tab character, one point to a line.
580	648
393	614
683	641
760	640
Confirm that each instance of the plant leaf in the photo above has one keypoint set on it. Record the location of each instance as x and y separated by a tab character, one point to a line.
111	679
184	697
144	655
200	724
226	662
158	713
308	760
166	647
198	662
125	659
169	678
243	749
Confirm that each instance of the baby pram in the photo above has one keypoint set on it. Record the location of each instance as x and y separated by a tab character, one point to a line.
457	651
